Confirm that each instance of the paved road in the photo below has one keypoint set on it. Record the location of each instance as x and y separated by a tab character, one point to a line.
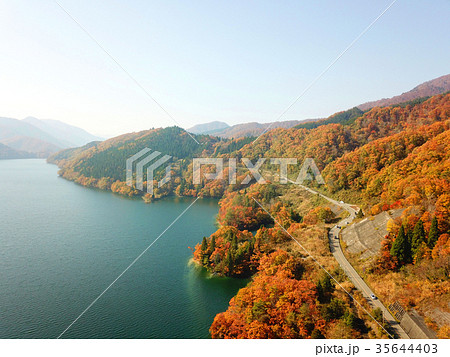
354	277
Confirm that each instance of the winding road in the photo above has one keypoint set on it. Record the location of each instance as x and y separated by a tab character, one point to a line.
354	277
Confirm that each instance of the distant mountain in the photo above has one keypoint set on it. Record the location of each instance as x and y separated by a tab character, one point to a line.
23	136
251	129
208	128
40	138
9	153
35	146
427	89
69	135
10	128
344	117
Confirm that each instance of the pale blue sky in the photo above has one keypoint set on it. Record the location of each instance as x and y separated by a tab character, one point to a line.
234	61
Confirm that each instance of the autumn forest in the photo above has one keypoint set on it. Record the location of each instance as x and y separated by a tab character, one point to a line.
391	160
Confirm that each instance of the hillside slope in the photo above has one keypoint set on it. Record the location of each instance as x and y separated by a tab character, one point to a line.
427	89
8	153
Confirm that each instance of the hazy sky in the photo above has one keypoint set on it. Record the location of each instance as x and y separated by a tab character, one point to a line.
234	61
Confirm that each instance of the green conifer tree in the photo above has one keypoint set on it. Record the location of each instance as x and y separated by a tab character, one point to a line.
229	263
401	247
418	236
433	235
212	247
204	246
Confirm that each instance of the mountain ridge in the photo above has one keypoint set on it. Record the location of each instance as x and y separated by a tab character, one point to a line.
69	135
40	138
429	88
248	129
208	128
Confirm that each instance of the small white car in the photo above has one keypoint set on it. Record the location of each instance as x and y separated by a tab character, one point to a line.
373	297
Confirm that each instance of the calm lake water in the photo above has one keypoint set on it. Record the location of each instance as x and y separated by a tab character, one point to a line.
61	245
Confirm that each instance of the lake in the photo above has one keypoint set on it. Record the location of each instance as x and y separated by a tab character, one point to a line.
63	244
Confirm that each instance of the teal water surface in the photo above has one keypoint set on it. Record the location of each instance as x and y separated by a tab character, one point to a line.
62	244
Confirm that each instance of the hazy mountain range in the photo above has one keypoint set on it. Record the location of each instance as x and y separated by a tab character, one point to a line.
32	137
223	130
209	128
427	89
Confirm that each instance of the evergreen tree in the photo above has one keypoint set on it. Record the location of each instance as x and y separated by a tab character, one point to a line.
418	236
334	310
401	247
213	244
204	246
229	263
433	235
408	253
205	255
327	284
320	294
251	246
324	289
360	214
